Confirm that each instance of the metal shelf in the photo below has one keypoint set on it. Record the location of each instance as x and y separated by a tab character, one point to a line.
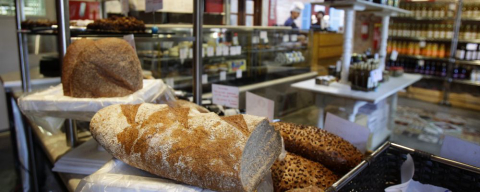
476	62
467	82
419	39
362	5
425	18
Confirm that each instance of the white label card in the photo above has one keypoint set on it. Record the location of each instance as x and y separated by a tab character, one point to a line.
376	74
210	51
293	38
459	150
223	75
286	38
183	53
394	55
238	73
356	134
204	79
259	106
472	46
421	63
263	35
170	82
225	50
190	53
218	51
131	40
225	95
125	7
153	5
422	44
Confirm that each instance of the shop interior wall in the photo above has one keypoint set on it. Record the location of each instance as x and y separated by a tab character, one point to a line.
360	44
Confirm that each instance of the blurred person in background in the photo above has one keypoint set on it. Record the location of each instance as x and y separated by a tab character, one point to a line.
294	14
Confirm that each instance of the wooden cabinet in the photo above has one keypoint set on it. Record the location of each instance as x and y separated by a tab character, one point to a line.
327	50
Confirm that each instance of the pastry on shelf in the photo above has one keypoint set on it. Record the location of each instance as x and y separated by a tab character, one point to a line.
118	25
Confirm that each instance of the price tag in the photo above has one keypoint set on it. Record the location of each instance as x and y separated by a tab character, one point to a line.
131	40
239	73
293	37
233	50
259	106
223	75
376	75
218	51
422	44
183	53
421	63
263	35
153	5
225	95
255	40
286	38
356	134
394	55
170	82
459	150
190	53
225	50
452	6
210	51
204	79
125	7
472	46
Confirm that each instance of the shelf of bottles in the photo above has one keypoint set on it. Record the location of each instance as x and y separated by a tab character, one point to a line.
419	50
362	71
428	10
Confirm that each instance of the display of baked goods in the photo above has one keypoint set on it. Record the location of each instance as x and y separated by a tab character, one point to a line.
182	144
118	24
319	145
295	172
306	189
104	68
31	24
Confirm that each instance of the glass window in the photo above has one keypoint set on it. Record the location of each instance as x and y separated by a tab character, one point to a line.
32	7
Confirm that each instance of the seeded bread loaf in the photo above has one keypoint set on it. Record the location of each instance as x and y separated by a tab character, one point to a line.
185	145
297	172
306	189
319	145
105	68
187	104
70	60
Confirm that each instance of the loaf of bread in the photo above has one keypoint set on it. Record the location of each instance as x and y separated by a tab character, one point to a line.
70	60
320	146
185	145
306	189
104	68
297	172
187	104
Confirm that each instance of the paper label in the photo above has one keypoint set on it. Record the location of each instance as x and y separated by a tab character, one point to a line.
170	82
239	50
259	106
472	46
204	79
376	75
183	53
131	40
225	95
422	44
459	150
210	51
223	75
190	53
255	40
286	38
356	134
452	6
225	50
263	35
218	51
421	63
394	55
233	50
238	73
125	7
293	37
153	5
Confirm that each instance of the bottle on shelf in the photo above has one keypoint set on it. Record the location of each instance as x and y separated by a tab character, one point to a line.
460	54
441	51
424	10
449	30
442	34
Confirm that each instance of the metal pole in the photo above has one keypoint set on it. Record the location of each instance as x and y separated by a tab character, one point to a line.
197	51
63	22
22	47
448	81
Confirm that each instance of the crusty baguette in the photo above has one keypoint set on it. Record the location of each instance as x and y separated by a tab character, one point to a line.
185	145
109	68
320	146
70	60
297	172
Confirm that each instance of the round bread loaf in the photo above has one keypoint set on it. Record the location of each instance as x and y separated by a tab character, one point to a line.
108	68
70	60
